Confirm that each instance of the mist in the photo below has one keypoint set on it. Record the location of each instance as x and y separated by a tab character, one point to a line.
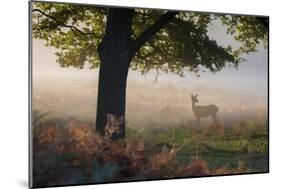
149	103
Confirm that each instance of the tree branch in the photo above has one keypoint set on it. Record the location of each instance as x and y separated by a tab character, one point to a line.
73	28
148	33
156	77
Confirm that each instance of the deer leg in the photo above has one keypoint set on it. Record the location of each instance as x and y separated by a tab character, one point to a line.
198	121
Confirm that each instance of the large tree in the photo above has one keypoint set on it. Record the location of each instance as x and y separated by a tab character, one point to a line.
116	39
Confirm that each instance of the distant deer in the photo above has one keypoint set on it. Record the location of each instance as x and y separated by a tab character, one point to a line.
203	111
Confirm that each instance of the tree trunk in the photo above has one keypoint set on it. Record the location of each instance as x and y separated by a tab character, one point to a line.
116	52
115	59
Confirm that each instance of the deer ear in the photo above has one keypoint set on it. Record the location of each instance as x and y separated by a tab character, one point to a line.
110	117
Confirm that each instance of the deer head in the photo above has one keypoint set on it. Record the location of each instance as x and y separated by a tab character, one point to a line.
194	98
113	124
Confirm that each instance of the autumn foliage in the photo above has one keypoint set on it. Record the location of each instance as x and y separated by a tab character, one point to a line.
71	152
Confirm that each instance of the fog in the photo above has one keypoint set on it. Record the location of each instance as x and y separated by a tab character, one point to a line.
159	104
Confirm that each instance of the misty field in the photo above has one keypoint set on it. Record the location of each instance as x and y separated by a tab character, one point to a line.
149	105
69	151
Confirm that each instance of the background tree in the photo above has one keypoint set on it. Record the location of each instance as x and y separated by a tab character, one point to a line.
115	39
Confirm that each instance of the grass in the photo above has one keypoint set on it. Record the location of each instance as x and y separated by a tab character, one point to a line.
250	146
70	152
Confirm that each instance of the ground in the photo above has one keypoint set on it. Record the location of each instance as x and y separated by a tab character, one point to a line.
68	151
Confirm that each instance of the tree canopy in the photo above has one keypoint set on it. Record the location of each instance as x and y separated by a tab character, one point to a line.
182	44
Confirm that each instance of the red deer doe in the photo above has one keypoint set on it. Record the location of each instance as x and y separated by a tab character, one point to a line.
203	111
113	125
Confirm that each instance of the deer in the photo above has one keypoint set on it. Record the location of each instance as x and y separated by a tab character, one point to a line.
113	124
203	111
